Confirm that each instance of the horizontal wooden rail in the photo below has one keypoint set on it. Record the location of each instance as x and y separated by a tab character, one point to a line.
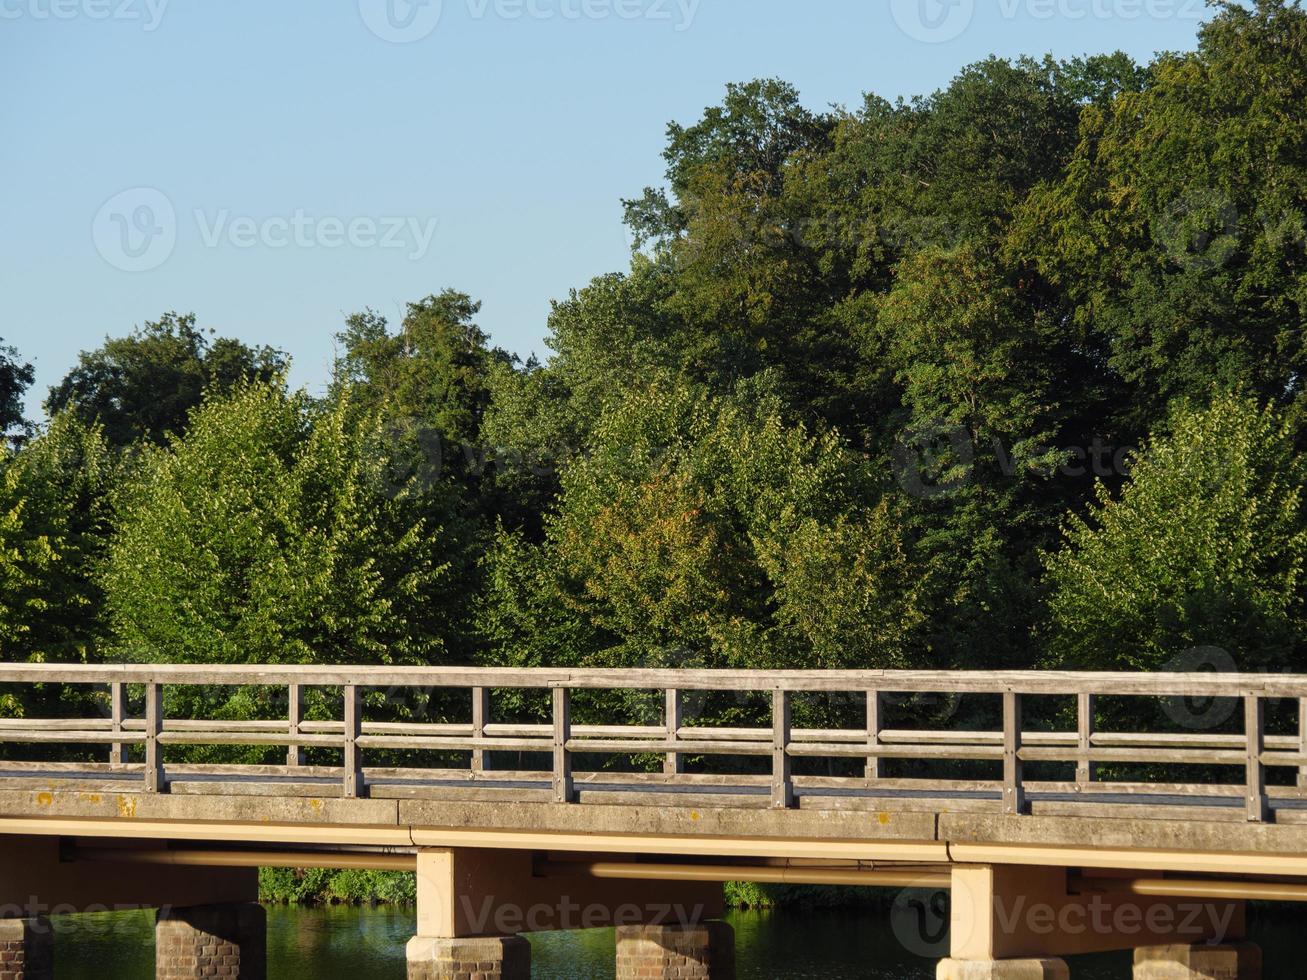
549	750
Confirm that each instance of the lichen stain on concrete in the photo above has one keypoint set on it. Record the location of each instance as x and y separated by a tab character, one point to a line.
316	805
90	797
45	799
127	806
694	815
883	818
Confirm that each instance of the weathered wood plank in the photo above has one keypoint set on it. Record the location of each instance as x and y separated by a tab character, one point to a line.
991	682
564	790
782	784
1014	790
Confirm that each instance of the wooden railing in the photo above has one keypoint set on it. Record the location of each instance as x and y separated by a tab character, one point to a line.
1011	745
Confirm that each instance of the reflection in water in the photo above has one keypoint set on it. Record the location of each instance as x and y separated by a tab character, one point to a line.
368	944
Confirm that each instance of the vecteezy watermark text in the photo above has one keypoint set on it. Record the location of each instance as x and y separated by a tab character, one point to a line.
149	13
137	229
920	919
490	917
939	21
302	230
406	21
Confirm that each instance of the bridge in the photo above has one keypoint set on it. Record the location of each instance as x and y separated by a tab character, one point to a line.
558	798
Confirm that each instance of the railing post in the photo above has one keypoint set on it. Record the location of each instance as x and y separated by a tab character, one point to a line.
782	775
1302	739
673	762
480	715
1255	739
155	781
563	789
295	715
1086	771
1014	789
355	786
875	722
118	711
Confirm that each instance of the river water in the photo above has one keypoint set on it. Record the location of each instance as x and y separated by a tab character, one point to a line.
368	944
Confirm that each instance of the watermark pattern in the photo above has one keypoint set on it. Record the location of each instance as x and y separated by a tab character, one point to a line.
401	21
137	229
920	919
938	459
1203	712
408	21
147	13
489	916
933	21
940	21
1199	232
66	919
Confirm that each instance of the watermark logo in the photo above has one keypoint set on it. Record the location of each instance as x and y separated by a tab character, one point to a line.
933	460
1199	232
148	13
933	21
919	919
1200	712
401	21
136	230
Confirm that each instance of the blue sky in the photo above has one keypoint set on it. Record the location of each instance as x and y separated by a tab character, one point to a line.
273	165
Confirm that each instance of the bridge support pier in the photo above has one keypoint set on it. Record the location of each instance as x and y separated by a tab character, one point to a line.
488	957
696	952
1041	969
26	949
1239	961
1015	922
226	941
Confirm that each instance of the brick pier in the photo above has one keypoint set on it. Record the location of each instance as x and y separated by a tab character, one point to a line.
223	941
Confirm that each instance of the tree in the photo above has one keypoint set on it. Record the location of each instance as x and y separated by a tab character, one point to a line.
1205	546
15	379
54	522
272	532
1177	232
433	372
707	530
144	386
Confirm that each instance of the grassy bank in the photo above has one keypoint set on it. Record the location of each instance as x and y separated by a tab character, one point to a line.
325	886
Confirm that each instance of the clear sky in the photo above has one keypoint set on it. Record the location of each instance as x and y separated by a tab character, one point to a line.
273	165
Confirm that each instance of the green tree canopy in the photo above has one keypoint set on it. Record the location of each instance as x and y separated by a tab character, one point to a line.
274	532
143	386
15	379
1177	232
54	521
1205	546
708	530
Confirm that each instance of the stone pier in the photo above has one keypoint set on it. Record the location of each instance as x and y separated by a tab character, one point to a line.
488	958
223	941
1238	961
696	952
26	949
1040	969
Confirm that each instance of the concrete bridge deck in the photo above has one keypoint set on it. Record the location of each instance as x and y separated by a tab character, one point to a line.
125	790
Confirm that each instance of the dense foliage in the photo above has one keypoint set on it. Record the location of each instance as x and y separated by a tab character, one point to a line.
1007	375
